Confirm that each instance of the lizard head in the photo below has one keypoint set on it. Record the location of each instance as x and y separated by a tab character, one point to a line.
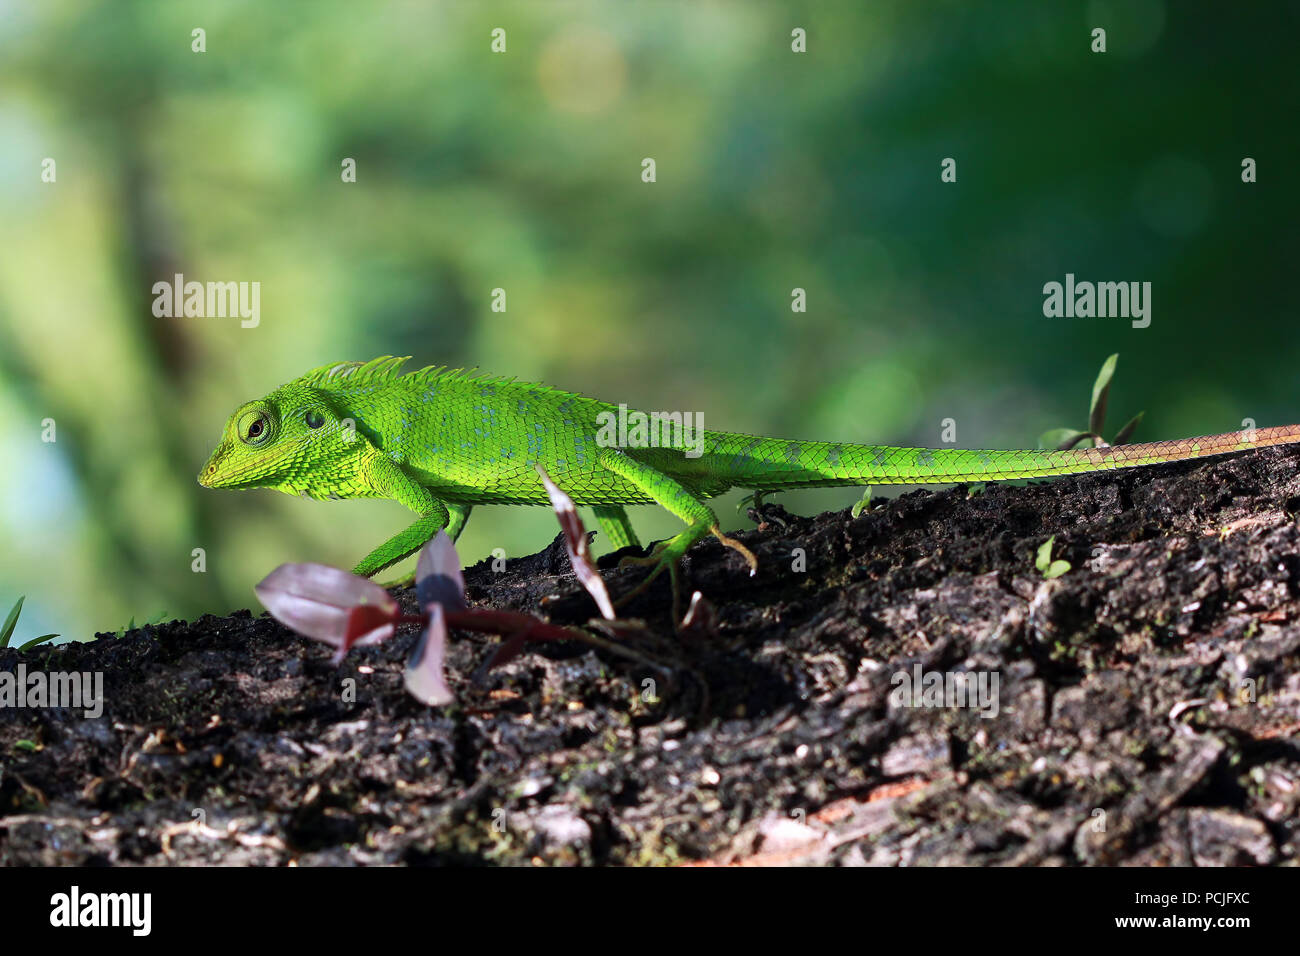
285	441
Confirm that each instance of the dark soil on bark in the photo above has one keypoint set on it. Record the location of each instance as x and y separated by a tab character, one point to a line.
1147	706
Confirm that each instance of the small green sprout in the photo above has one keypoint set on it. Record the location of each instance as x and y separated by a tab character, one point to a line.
7	630
130	625
864	503
1046	566
1063	439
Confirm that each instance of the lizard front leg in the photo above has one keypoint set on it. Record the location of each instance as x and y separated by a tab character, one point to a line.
459	515
667	491
434	516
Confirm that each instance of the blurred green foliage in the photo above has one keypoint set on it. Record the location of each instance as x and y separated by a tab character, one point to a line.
522	171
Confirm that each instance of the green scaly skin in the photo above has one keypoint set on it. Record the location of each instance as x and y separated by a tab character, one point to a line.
442	441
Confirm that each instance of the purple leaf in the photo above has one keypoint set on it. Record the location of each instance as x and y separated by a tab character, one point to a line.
366	624
437	575
1126	432
317	601
575	542
425	680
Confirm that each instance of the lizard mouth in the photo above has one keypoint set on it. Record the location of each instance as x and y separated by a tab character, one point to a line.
211	476
262	469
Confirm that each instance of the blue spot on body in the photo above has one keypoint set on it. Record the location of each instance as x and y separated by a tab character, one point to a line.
742	458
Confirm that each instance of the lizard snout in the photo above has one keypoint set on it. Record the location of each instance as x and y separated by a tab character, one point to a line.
210	476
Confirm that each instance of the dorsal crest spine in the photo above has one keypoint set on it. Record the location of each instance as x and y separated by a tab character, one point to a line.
387	369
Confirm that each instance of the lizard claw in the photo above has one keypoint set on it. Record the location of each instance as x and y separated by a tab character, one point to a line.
736	546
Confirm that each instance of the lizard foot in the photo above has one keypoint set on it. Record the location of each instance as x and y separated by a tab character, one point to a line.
667	554
664	556
761	513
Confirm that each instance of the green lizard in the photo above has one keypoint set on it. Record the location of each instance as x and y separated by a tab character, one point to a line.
441	441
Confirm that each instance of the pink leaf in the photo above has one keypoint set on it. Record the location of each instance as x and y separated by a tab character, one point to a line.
317	601
575	542
425	680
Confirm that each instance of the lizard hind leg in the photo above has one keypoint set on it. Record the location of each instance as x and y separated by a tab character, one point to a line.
668	492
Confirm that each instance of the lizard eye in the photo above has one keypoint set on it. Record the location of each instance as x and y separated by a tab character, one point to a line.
315	419
255	428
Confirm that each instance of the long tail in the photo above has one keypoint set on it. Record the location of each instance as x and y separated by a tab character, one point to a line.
768	463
